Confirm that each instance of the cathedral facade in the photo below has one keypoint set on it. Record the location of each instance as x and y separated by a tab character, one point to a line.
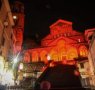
62	44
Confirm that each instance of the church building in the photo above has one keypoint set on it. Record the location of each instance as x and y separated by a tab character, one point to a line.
62	44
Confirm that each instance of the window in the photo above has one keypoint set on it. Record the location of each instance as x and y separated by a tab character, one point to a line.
81	65
3	41
83	51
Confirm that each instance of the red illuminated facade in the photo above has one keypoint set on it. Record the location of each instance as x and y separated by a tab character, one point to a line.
18	16
62	44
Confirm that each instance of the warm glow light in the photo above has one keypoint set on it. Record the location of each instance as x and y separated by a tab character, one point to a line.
15	60
76	73
7	78
14	17
21	66
52	64
48	57
1	65
83	51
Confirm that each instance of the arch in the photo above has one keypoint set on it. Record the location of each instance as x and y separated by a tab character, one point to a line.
34	56
53	54
83	51
61	46
43	55
72	53
62	53
27	57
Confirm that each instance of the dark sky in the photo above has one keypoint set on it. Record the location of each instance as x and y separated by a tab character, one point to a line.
40	14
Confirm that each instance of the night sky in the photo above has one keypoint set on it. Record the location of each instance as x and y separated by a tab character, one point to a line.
40	14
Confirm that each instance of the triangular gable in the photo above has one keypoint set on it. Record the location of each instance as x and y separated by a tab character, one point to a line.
61	21
68	40
61	27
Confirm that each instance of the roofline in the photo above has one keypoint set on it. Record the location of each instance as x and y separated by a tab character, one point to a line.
89	30
61	20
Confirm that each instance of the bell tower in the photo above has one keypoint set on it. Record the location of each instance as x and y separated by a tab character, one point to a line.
17	9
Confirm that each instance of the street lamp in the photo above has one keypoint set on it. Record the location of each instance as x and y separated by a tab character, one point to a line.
49	60
15	60
14	17
48	57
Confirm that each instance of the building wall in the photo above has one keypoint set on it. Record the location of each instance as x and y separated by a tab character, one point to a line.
63	43
6	23
90	37
6	29
11	30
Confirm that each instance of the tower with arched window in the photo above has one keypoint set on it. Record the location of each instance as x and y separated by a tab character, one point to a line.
17	9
